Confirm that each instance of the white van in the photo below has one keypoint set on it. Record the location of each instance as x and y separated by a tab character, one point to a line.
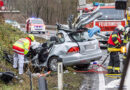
35	25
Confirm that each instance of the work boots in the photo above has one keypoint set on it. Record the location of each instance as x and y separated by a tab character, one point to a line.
117	72
110	71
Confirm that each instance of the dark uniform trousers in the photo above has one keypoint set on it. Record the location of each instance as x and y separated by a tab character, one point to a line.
114	60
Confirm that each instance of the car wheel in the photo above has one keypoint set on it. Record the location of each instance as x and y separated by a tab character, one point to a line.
43	32
39	32
52	65
83	66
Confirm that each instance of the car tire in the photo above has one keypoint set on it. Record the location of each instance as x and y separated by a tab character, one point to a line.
39	32
43	32
52	64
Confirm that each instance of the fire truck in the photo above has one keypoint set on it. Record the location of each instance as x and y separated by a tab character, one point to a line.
108	21
1	5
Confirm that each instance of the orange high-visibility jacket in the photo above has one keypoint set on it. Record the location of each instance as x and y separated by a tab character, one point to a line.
22	46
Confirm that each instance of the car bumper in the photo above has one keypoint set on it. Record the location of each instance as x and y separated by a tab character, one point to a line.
40	30
81	59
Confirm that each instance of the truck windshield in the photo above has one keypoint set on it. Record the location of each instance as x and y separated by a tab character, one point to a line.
111	14
37	22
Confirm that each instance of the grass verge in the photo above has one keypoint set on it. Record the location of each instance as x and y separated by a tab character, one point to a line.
8	35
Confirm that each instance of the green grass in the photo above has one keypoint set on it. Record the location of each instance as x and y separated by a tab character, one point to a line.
8	35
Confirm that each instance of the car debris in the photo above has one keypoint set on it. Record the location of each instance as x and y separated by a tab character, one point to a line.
8	76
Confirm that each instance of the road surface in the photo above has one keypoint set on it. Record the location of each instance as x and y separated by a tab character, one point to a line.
98	81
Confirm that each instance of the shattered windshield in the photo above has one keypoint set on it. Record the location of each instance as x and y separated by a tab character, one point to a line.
111	14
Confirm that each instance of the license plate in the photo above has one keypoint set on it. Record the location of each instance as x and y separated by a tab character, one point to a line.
87	47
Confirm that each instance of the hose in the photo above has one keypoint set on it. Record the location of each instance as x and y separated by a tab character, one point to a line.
94	69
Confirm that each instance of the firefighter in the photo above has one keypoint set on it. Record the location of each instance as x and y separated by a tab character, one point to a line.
114	42
21	47
126	39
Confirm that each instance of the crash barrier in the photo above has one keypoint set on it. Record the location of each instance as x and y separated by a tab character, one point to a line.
60	74
42	83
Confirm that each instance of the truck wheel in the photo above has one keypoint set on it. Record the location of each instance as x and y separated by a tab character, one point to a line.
52	64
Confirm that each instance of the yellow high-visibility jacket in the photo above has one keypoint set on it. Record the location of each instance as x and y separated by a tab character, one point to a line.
22	46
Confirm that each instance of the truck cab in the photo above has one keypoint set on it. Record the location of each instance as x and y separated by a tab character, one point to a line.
110	18
35	25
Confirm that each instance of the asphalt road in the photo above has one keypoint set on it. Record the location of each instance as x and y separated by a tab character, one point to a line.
99	81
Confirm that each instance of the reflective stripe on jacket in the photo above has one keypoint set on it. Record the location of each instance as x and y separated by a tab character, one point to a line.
22	46
126	39
116	38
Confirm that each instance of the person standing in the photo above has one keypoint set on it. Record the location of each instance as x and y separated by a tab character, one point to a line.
21	47
114	42
126	39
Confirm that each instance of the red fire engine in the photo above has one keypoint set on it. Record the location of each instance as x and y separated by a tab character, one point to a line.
108	21
1	4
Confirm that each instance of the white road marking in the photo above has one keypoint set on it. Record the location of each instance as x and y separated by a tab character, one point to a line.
113	84
101	80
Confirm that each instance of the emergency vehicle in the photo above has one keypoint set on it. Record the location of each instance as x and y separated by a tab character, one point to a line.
108	21
35	25
2	5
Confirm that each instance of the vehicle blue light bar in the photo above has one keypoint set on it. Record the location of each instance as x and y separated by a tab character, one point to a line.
95	3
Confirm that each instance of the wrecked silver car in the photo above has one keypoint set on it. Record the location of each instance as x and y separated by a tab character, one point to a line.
75	48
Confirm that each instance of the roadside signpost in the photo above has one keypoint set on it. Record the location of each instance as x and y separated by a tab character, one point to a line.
60	74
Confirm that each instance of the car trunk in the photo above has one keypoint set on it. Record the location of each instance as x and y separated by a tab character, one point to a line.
88	46
84	42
